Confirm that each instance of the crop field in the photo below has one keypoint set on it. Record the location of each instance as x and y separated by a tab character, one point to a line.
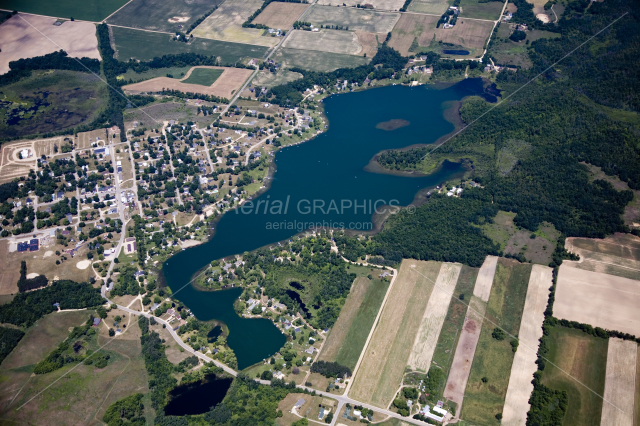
158	15
524	365
281	15
477	10
620	383
493	359
470	332
202	76
411	27
226	24
270	79
386	355
317	61
355	19
73	98
584	358
636	414
225	86
344	42
25	36
598	299
393	5
369	43
91	10
144	46
433	7
433	318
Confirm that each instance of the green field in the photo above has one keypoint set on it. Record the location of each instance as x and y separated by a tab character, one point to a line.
477	10
91	10
269	79
435	7
203	76
144	46
50	101
453	322
585	358
317	61
155	14
362	323
493	358
175	72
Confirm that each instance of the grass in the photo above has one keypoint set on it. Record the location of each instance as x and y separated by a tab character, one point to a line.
453	322
359	331
92	10
493	358
144	46
176	72
318	61
584	357
203	76
475	9
269	79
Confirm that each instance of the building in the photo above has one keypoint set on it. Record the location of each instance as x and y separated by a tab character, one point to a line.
130	245
299	404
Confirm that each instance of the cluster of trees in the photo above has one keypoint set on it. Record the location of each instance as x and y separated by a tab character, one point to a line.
25	284
110	67
127	411
330	369
159	368
10	337
191	95
27	308
402	160
53	61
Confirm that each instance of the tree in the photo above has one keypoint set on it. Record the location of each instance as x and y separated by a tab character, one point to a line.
102	312
518	36
111	332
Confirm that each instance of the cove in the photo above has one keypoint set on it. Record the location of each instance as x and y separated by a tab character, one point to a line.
197	398
310	180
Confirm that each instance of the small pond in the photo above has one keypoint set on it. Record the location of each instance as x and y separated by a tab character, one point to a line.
213	335
455	52
296	297
198	397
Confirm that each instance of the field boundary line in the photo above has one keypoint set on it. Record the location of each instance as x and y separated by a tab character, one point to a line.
104	21
484	318
138	29
462	17
49	16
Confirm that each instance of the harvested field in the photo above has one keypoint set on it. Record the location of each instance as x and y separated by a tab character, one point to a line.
348	313
353	19
344	42
369	43
145	45
317	61
434	7
466	348
226	24
524	364
469	34
581	362
608	247
160	15
598	299
382	366
434	315
620	383
21	40
90	10
394	5
280	15
270	79
225	86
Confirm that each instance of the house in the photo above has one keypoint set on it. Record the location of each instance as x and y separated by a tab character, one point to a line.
299	404
321	413
171	312
96	322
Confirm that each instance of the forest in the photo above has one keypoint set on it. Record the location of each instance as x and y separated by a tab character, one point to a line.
9	339
52	61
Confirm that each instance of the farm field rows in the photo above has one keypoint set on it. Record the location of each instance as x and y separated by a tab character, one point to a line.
493	358
226	24
524	363
144	46
280	15
352	19
90	10
157	15
620	384
385	357
318	61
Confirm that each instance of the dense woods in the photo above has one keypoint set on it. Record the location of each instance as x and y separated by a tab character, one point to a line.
27	308
9	339
330	369
126	411
52	61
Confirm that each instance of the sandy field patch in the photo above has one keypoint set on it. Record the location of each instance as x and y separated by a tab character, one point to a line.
598	299
345	42
369	43
83	264
225	86
524	364
394	5
355	19
429	331
482	289
47	254
347	314
280	15
32	275
21	40
619	385
543	18
178	19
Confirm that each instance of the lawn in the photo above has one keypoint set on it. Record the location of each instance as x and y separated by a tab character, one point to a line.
493	358
203	76
584	357
144	46
91	10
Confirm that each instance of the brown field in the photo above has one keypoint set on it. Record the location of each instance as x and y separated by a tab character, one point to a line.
466	348
524	364
619	385
629	249
382	366
281	15
467	33
369	43
636	414
83	142
598	299
344	42
433	318
225	86
615	255
347	314
394	5
21	40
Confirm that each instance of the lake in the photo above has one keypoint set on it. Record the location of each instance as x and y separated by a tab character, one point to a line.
321	183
